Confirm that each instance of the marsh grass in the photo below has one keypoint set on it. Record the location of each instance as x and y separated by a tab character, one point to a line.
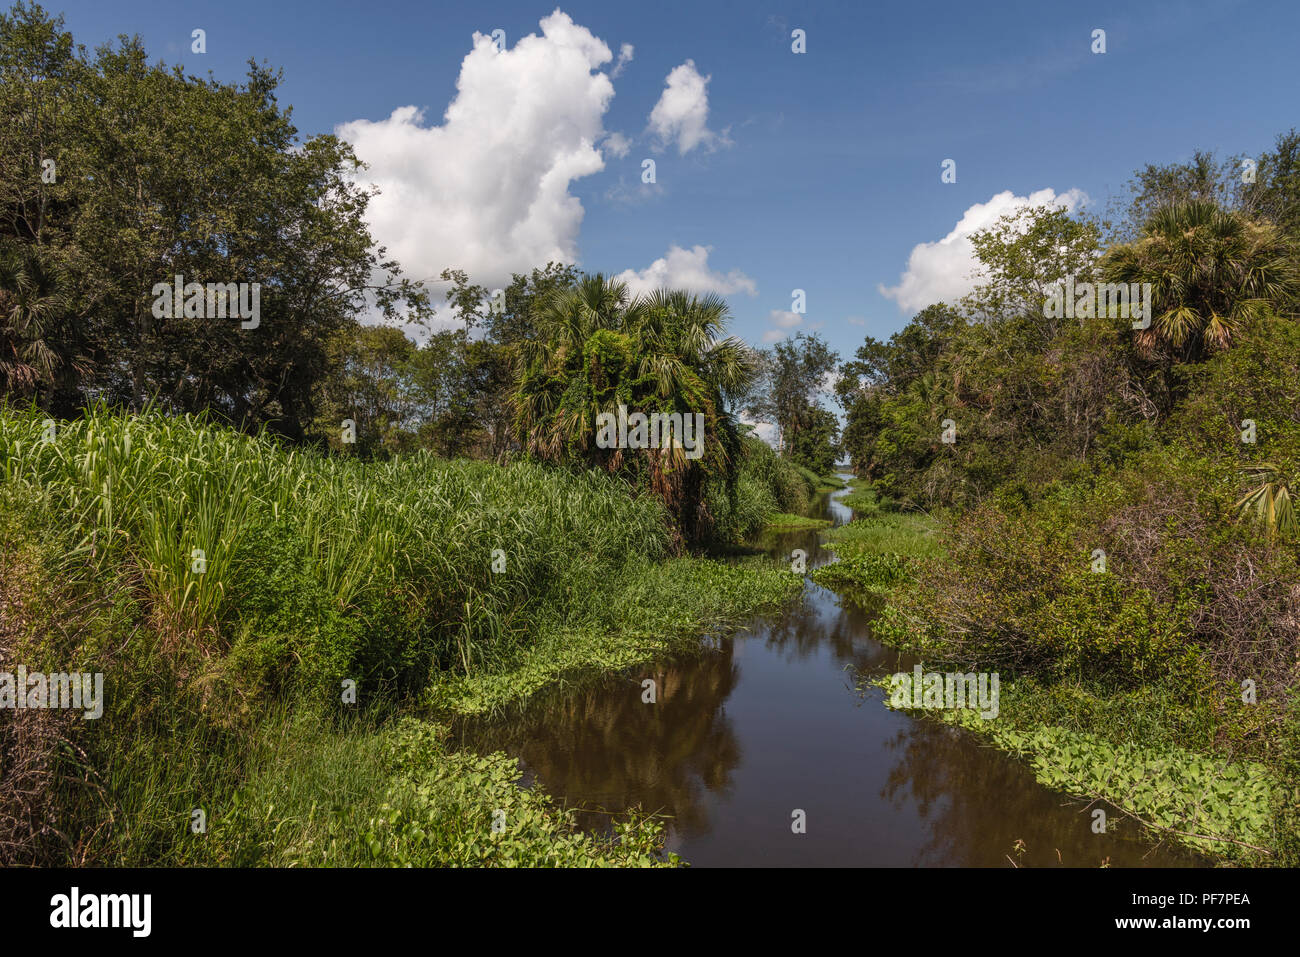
411	539
906	534
784	522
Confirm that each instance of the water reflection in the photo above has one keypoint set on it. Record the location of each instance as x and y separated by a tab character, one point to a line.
606	748
771	720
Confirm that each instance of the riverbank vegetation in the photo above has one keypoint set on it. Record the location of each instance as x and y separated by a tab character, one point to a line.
263	617
789	523
296	547
1118	534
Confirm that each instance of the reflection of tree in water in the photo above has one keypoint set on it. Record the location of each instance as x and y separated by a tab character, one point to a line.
615	751
977	802
817	622
820	617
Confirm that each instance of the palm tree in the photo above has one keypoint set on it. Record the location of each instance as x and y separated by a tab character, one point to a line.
569	315
597	348
1211	271
32	303
1269	503
691	366
551	417
679	331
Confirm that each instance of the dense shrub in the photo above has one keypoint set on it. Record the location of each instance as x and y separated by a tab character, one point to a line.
1186	594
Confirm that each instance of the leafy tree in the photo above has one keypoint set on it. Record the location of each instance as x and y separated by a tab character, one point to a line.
792	373
1023	255
369	383
494	330
159	174
816	445
1205	178
1275	194
1026	395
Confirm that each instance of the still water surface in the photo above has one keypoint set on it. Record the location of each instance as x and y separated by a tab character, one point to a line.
770	720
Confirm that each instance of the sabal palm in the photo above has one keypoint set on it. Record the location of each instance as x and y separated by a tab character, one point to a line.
567	318
678	333
681	359
691	366
548	362
1210	270
1269	503
32	302
925	387
597	347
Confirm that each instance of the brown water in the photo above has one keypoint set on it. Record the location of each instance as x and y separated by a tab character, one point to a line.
770	720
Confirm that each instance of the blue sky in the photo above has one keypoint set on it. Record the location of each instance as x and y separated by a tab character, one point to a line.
818	171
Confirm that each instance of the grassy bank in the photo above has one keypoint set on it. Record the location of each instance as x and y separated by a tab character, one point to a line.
1153	736
782	522
875	550
271	624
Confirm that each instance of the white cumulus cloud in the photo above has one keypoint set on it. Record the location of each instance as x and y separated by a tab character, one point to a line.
784	322
487	190
687	269
682	113
946	270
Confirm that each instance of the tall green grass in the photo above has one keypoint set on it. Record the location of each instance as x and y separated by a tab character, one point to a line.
408	544
907	534
766	485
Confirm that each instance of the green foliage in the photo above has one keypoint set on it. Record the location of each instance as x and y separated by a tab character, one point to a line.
1269	503
401	550
653	610
785	392
862	499
1115	549
875	553
1212	805
441	808
906	534
1257	379
814	444
1188	604
766	484
869	570
1212	271
785	522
